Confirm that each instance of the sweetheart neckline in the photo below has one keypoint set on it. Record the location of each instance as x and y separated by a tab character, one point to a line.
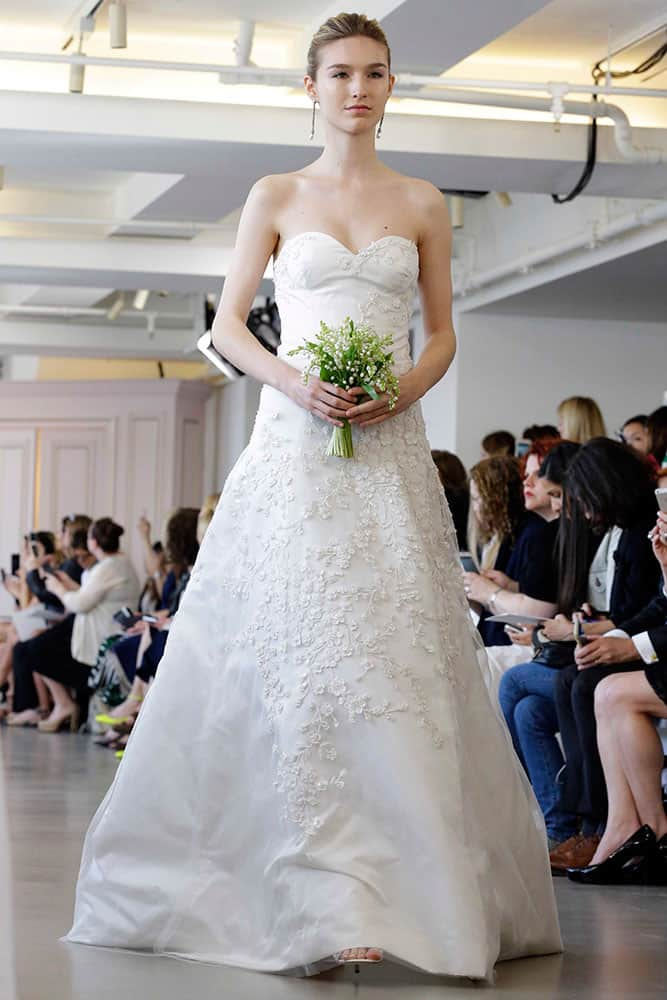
353	253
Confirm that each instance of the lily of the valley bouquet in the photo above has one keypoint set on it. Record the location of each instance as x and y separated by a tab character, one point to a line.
350	355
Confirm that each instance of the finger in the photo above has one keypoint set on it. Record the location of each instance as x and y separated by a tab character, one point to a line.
376	420
371	405
320	410
335	390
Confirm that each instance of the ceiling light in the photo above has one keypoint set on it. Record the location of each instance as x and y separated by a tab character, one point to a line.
118	25
456	211
141	298
503	198
116	307
77	71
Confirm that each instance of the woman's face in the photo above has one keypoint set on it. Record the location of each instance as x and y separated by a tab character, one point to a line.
535	496
476	504
638	437
353	83
555	494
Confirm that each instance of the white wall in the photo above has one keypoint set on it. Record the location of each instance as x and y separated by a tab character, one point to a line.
230	416
513	371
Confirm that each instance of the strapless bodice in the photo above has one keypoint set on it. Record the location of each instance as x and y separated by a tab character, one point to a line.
318	278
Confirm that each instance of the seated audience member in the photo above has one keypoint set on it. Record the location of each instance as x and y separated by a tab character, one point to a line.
538	431
498	443
145	643
657	428
526	584
634	845
74	529
109	585
579	420
454	479
606	568
635	434
155	566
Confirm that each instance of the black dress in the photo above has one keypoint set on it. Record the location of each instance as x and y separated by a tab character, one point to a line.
531	563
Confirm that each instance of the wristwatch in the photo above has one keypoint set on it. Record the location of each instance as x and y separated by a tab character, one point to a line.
492	599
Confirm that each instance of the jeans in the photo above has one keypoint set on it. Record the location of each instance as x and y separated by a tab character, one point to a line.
527	701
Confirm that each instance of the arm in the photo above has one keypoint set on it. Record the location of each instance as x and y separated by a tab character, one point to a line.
435	287
151	558
90	594
501	600
256	240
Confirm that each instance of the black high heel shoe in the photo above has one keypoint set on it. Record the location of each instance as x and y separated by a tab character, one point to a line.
627	864
656	864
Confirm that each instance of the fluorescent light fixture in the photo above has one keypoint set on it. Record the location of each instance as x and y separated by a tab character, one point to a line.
116	306
205	347
118	25
141	298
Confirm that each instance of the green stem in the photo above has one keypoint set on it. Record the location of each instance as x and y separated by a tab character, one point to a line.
341	444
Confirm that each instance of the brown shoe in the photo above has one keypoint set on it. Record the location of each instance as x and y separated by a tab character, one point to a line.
578	855
564	847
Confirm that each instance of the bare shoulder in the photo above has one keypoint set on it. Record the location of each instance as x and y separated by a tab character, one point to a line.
273	190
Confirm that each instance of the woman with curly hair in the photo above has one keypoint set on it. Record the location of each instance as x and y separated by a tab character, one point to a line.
513	519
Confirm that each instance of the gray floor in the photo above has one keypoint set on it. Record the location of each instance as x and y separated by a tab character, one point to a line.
615	938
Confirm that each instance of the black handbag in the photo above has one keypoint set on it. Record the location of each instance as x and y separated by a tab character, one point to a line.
553	654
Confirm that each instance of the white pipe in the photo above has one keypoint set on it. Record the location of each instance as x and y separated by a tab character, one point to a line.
594	109
69	311
191	227
294	77
648	216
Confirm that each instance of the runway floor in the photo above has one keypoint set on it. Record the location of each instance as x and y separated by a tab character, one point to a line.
614	938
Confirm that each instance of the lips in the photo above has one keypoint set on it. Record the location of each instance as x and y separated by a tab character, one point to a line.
358	107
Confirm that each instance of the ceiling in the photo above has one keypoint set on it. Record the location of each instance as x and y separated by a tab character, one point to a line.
138	182
631	288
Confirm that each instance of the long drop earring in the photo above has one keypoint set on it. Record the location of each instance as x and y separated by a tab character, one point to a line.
379	131
312	124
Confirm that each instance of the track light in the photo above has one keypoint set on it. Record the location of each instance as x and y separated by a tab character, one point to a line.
456	210
141	298
77	71
503	199
116	306
118	25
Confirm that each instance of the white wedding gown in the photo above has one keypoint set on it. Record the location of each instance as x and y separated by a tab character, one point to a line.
318	764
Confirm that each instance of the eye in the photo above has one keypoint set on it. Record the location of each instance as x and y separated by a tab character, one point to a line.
340	72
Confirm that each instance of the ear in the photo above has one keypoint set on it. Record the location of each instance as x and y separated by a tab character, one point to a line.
392	84
309	84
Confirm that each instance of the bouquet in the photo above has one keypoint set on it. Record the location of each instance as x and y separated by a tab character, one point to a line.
350	355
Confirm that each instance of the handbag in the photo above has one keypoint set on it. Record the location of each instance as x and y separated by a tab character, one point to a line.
556	655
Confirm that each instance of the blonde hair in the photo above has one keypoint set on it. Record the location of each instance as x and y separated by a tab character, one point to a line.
581	419
206	514
344	26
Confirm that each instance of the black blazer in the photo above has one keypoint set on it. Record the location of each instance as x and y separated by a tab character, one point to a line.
652	619
637	573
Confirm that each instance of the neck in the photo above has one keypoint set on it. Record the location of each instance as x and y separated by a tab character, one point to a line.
347	157
546	513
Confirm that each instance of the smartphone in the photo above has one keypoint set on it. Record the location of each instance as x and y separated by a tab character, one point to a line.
468	562
35	550
661	497
578	629
126	618
151	619
16	563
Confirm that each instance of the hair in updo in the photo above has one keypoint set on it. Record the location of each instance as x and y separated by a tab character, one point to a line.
107	534
344	26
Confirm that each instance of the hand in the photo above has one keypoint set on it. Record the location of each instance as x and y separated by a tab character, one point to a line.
323	399
144	528
137	629
54	585
376	411
601	652
477	588
658	538
67	582
520	637
558	629
500	580
13	586
163	623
